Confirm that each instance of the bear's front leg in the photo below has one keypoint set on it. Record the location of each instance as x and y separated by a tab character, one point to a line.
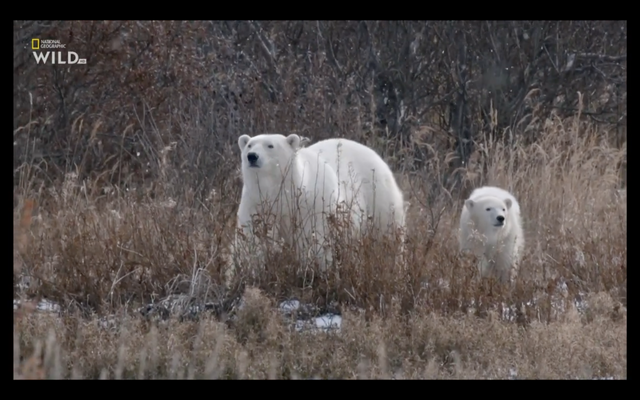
505	264
241	251
248	247
485	266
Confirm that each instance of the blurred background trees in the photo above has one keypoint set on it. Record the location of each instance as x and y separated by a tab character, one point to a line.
179	93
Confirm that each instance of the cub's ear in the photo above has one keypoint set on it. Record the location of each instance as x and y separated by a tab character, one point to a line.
508	203
469	203
294	141
243	140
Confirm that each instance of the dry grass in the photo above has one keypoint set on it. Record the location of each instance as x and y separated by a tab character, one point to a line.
103	257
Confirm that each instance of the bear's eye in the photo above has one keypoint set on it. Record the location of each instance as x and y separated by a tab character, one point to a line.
249	146
271	146
504	209
488	209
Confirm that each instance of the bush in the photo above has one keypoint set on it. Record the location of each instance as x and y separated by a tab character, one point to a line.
126	185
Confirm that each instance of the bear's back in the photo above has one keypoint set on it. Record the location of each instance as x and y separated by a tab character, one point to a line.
357	167
343	152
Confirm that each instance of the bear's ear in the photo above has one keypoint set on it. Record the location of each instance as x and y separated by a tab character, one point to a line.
243	140
294	141
508	203
469	203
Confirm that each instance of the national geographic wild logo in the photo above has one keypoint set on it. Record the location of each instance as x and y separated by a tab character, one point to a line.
48	51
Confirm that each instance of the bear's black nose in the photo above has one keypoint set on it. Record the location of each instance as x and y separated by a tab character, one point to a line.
500	218
252	157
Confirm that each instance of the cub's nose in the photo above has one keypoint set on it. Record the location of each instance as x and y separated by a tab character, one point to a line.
252	157
500	218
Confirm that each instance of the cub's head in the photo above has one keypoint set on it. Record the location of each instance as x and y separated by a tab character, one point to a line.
489	211
267	151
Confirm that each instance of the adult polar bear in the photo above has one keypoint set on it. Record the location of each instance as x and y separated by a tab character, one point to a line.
314	180
491	228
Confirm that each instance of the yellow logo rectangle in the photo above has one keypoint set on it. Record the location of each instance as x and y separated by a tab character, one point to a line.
35	44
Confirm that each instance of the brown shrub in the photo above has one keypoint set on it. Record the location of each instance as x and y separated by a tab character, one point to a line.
126	189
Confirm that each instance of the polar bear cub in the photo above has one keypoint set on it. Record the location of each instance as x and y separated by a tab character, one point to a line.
285	180
491	228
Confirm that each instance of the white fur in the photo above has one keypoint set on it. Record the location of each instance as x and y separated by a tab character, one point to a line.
499	247
324	174
367	184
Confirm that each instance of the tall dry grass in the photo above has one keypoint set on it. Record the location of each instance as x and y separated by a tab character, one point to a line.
104	254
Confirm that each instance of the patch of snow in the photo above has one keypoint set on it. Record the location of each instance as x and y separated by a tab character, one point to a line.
324	323
289	306
50	306
508	312
329	322
44	305
305	322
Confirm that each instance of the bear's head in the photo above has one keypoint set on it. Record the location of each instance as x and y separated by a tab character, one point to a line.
267	152
489	211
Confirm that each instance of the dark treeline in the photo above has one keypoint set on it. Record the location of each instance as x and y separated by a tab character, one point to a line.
190	88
